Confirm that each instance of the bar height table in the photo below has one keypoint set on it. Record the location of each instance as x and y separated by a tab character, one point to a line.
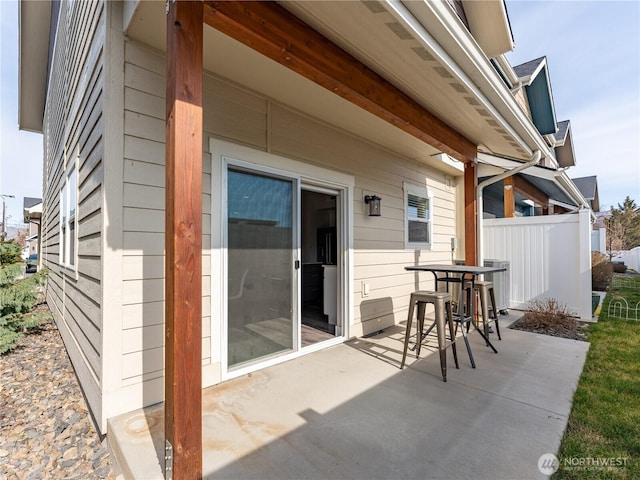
466	275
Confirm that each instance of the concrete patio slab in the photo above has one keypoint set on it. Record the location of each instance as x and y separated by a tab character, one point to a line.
348	412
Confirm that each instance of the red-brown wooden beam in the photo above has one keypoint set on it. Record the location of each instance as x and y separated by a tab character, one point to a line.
183	241
279	35
470	213
528	190
558	210
509	198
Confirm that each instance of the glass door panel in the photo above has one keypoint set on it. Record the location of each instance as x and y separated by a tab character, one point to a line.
260	247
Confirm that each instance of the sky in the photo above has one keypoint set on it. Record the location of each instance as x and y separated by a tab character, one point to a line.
20	152
593	57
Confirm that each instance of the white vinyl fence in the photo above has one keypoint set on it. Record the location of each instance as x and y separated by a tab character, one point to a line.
549	257
631	258
599	240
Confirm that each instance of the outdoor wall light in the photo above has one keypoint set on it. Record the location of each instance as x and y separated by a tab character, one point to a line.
374	205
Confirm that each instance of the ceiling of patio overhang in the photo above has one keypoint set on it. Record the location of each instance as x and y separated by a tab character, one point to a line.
377	40
543	178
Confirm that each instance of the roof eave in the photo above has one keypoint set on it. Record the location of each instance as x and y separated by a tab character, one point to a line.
560	178
33	52
490	26
487	79
33	213
565	153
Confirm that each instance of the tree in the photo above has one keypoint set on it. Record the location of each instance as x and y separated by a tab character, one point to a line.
616	235
21	238
627	215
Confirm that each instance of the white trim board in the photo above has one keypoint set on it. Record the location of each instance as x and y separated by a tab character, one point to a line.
308	174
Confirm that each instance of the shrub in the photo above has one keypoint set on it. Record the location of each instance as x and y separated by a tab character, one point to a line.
549	316
16	301
619	267
601	271
9	273
10	253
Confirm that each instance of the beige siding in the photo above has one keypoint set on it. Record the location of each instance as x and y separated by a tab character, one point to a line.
144	221
73	132
521	97
379	246
235	114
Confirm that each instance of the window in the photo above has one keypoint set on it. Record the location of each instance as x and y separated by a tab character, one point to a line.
68	208
419	205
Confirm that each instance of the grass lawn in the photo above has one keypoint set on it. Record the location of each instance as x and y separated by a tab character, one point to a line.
604	424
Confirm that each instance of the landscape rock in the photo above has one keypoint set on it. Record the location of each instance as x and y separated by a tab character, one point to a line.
45	427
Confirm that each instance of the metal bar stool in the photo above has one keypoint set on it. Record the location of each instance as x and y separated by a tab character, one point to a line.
441	302
486	293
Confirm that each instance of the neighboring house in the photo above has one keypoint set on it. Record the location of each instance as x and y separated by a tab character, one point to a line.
544	188
32	208
534	216
363	99
588	187
599	232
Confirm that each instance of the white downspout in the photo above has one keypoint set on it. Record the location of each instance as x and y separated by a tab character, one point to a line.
479	203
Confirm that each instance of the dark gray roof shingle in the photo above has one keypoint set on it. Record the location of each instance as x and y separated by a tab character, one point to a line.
29	202
587	186
526	69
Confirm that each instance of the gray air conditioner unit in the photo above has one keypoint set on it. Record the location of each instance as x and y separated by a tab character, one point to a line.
501	284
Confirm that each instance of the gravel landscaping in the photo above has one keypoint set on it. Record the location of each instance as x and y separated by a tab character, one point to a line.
45	427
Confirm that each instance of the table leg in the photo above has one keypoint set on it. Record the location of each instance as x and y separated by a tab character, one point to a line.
486	339
462	320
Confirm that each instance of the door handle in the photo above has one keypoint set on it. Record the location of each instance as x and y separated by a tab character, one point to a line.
296	264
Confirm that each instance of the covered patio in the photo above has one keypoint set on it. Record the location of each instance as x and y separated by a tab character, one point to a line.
349	412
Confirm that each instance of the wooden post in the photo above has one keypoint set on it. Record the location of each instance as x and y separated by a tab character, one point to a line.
183	241
470	213
509	198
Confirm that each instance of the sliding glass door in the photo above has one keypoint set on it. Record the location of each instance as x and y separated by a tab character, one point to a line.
262	284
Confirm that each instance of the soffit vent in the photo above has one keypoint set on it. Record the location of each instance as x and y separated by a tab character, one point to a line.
458	88
443	72
375	7
423	53
400	31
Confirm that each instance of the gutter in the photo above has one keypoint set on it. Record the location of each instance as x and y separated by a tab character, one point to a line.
573	191
537	155
507	69
486	83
